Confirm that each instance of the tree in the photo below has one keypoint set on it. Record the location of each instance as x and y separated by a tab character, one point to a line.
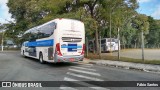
142	25
30	13
1	33
154	33
99	17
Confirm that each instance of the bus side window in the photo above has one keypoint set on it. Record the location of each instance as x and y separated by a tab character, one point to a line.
40	32
52	26
47	30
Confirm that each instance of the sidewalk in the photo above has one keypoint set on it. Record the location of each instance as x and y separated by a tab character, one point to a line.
126	65
9	51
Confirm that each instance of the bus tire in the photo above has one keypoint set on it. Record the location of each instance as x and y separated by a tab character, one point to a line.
41	58
23	52
24	55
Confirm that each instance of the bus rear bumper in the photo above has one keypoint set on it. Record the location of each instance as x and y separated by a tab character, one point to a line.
69	58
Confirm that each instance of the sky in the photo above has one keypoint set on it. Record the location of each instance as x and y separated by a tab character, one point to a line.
148	7
5	16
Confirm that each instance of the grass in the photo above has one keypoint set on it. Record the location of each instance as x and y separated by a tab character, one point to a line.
125	59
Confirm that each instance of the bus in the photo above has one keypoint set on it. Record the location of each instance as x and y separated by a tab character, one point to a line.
59	40
107	45
116	44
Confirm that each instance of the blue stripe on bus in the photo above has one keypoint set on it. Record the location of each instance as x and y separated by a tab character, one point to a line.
71	46
40	43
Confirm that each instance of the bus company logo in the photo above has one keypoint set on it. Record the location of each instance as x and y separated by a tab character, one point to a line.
6	84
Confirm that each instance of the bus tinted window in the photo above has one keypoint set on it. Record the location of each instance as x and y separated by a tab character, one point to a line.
40	32
46	30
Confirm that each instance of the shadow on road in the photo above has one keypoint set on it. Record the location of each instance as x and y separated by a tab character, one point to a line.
58	65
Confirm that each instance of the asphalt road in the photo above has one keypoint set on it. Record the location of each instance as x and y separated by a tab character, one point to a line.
14	67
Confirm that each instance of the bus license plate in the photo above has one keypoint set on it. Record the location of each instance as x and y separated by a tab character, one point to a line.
72	48
71	59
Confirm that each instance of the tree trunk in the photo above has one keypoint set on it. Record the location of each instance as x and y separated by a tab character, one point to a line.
135	45
118	44
94	47
142	46
96	40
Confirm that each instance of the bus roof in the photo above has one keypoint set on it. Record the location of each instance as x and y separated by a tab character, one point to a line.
48	23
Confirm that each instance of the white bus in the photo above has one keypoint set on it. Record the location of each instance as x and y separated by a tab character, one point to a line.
116	44
107	45
59	40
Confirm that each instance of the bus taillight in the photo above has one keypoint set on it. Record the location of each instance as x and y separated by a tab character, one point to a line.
58	49
83	49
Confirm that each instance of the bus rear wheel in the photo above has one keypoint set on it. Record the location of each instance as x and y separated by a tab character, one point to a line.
41	58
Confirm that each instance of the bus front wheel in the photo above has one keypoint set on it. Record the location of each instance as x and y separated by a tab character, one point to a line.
41	58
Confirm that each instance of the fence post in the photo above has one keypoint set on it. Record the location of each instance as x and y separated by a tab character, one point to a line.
99	46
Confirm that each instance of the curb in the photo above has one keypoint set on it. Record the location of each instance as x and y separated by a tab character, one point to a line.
128	65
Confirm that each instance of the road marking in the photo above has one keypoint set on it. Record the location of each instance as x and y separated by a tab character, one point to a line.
87	65
86	72
86	77
99	88
67	88
69	79
83	68
85	84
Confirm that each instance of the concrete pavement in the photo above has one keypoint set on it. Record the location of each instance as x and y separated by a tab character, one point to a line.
126	65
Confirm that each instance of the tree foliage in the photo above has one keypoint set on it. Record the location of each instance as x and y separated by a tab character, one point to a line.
96	14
